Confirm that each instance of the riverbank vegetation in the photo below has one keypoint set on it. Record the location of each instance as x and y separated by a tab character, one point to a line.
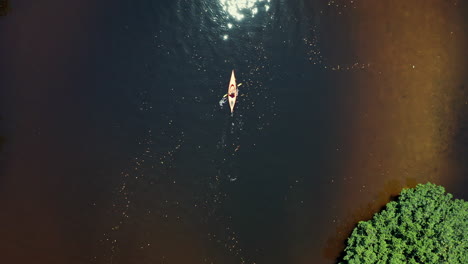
424	225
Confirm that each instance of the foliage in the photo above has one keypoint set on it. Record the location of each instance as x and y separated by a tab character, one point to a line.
423	225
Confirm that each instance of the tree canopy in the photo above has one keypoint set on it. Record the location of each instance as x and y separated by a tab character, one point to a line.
424	225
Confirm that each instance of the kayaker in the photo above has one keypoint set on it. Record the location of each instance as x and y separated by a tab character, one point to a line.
232	95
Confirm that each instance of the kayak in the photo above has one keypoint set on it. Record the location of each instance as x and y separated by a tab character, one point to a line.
232	92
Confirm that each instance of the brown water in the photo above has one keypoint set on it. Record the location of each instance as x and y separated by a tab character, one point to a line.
406	113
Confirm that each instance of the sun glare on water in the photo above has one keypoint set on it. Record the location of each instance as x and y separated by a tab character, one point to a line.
238	9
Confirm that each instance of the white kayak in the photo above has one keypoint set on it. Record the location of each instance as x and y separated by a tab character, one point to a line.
232	92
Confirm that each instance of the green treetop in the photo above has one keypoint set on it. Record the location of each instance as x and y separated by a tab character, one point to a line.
424	225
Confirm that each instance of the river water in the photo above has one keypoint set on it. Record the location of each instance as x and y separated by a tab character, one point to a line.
117	148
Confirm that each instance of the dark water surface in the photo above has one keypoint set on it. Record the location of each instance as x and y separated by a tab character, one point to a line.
115	148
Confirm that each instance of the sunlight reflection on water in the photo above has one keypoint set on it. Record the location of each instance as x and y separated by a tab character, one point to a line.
239	8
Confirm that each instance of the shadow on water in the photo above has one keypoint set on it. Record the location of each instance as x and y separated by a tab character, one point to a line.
460	144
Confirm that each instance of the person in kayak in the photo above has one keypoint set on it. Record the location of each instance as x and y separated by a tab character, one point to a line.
232	95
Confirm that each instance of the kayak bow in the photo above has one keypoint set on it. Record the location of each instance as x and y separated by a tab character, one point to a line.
232	92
